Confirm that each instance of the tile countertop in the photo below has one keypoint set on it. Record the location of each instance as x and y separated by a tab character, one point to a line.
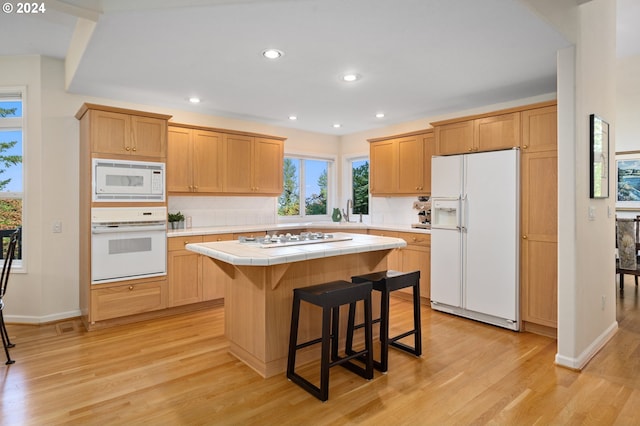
252	254
339	226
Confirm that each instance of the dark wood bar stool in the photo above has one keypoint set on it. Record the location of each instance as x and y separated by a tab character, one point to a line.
385	282
330	296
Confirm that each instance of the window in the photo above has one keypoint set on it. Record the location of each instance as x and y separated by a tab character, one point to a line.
360	185
306	187
11	177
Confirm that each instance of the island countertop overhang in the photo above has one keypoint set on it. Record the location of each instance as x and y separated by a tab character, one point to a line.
236	253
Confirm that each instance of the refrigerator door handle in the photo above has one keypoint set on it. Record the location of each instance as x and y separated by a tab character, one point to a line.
464	217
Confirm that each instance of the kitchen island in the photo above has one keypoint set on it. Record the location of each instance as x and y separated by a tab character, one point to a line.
259	283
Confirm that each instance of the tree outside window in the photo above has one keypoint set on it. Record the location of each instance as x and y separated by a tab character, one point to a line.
360	183
305	180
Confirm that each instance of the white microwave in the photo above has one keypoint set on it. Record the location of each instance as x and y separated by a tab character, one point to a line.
120	180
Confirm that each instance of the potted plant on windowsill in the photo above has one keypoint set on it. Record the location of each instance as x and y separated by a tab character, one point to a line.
176	220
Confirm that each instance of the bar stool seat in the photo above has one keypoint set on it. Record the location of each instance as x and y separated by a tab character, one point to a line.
330	296
386	282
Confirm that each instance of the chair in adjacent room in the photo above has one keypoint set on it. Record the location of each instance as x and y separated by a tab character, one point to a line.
4	280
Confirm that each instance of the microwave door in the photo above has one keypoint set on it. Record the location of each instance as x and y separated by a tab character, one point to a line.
123	181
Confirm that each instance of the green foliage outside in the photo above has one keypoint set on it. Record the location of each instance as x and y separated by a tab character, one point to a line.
10	209
361	189
7	161
289	200
317	203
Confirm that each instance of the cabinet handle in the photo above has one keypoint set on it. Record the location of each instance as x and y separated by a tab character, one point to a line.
195	187
186	242
524	237
525	146
130	287
126	148
134	149
470	149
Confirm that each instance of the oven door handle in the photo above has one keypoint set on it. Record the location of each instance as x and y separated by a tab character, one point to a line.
112	229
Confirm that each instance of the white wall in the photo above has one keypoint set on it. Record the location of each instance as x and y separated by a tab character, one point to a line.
628	104
586	297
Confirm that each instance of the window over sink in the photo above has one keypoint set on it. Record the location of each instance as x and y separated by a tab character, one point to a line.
307	188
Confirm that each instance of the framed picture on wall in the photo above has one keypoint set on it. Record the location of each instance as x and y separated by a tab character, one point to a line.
599	167
628	180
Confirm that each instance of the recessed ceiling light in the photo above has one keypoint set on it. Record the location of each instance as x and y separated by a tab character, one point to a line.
351	77
293	117
272	53
380	115
194	100
337	125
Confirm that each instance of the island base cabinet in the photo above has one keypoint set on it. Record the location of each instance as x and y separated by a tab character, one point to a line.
258	307
128	299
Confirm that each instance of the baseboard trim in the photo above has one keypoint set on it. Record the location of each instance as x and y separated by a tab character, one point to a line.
583	359
27	319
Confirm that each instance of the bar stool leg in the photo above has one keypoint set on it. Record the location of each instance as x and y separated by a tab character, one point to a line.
368	337
326	347
350	328
293	336
417	326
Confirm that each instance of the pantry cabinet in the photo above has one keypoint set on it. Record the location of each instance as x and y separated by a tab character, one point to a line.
128	298
401	165
129	135
539	221
495	132
194	160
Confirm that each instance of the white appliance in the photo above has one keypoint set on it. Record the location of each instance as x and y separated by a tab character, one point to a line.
475	236
128	243
123	180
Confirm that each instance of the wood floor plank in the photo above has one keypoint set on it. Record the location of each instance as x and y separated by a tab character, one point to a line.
177	371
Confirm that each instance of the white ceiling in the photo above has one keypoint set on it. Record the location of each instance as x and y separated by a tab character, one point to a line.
417	58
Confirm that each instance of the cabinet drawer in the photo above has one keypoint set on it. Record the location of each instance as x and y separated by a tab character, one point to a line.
216	237
178	243
128	299
415	239
379	233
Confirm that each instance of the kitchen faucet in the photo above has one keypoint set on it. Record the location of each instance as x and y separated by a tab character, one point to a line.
345	214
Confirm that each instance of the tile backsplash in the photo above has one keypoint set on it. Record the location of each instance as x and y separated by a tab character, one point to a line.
225	211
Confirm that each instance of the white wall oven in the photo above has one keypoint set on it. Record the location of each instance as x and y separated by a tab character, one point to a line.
128	181
128	243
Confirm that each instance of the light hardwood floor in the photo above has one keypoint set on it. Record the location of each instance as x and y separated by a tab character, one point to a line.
176	371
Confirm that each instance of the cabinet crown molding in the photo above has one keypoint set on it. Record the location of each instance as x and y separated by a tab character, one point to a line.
494	113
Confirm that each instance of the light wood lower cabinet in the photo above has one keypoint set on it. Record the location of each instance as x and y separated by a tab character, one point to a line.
416	256
193	277
128	298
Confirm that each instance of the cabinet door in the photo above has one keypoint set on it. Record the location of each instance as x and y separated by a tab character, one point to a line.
498	132
179	156
540	129
110	132
410	165
237	159
215	274
538	266
383	167
207	161
455	138
185	277
414	258
149	137
267	166
428	141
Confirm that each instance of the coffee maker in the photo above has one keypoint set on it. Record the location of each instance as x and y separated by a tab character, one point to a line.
423	206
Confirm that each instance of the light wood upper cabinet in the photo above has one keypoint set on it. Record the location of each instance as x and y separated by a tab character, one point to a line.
540	129
194	160
454	138
253	165
401	165
125	134
497	132
490	133
382	176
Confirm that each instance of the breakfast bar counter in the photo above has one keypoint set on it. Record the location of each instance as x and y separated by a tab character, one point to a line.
259	281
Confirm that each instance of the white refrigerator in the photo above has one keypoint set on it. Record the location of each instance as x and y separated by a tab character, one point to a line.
475	236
